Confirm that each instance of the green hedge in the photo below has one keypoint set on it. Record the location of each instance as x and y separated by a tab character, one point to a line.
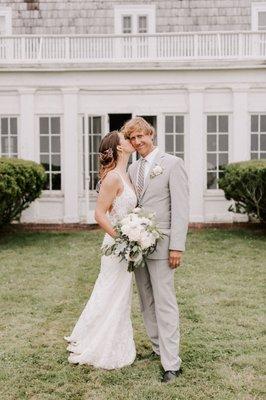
21	182
245	183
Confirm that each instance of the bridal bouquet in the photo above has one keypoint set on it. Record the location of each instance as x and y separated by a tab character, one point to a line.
137	237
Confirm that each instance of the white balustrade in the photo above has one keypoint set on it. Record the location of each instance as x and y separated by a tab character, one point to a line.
124	48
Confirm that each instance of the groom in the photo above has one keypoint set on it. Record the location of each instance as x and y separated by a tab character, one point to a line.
161	185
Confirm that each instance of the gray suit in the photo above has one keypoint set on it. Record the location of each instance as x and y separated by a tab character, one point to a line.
166	195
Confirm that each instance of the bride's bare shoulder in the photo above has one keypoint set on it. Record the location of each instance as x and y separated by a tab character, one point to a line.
111	180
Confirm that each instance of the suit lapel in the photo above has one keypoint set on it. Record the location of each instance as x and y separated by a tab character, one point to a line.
156	161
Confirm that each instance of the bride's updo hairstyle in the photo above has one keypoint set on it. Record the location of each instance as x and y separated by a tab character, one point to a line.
108	154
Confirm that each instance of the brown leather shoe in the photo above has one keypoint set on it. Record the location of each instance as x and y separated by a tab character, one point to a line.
169	376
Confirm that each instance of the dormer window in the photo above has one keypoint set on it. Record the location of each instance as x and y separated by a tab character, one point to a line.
259	16
5	21
134	19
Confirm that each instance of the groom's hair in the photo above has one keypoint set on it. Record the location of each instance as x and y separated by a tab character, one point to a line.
137	124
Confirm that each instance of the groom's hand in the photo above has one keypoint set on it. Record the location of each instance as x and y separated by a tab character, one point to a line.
175	257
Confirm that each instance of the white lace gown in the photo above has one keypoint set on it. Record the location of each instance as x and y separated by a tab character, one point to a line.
103	334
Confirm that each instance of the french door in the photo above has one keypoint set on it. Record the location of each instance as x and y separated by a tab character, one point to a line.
92	132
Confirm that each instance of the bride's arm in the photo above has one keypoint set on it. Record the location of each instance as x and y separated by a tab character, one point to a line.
108	191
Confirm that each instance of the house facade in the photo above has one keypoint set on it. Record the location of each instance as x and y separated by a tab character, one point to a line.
72	71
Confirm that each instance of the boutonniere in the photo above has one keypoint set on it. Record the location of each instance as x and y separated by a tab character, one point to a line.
157	170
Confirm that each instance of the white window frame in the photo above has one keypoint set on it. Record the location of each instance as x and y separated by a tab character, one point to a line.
176	114
50	191
259	133
255	9
6	12
134	11
10	154
216	191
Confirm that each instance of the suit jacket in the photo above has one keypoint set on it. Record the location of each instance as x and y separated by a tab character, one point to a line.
167	196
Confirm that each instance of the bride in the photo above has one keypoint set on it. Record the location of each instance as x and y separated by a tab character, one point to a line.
103	335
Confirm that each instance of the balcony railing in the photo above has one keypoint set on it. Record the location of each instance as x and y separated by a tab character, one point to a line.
132	48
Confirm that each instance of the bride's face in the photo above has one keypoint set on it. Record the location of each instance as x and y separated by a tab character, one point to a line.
125	144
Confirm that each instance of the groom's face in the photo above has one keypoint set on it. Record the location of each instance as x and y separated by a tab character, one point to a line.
142	143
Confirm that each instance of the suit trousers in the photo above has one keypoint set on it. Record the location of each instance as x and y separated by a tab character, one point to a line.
159	308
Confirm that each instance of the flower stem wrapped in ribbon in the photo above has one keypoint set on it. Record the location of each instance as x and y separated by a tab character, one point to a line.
137	238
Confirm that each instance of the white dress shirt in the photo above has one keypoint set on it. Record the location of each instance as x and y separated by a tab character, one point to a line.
149	160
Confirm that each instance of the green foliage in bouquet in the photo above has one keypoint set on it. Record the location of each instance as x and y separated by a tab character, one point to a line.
21	182
245	183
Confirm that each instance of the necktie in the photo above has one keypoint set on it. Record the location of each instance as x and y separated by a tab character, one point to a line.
141	174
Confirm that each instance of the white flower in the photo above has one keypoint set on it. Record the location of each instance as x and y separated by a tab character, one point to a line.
134	234
146	240
157	170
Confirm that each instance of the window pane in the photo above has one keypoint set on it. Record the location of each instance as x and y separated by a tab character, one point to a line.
254	123
55	126
46	185
13	126
44	125
211	142
55	144
211	162
4	126
169	124
223	142
4	144
254	156
44	159
263	155
262	19
263	123
179	124
179	140
223	160
262	142
254	142
223	123
44	144
142	24
211	180
97	126
96	162
56	162
96	143
211	123
13	144
169	143
56	181
127	24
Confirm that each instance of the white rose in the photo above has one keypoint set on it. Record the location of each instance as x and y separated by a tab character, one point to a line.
134	234
146	240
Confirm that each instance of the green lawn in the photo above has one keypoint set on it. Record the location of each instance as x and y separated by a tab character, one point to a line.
46	278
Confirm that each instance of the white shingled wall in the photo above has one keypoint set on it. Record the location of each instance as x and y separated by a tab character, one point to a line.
97	16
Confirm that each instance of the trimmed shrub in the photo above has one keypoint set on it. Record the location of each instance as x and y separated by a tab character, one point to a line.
245	183
21	182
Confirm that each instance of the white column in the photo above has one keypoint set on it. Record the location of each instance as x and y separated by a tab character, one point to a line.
27	137
70	155
195	154
240	137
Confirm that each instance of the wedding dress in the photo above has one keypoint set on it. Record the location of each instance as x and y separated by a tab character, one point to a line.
103	334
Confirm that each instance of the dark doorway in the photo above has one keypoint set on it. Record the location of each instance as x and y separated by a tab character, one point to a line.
116	121
152	120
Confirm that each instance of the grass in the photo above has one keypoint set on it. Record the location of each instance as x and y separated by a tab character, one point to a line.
46	279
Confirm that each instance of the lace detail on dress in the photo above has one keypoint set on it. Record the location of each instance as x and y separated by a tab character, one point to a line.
103	335
124	203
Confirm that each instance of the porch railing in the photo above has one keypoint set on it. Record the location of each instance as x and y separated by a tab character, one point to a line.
135	48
